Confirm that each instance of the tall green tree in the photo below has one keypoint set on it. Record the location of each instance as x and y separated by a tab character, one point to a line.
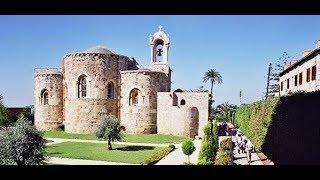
3	113
110	130
273	79
213	77
224	112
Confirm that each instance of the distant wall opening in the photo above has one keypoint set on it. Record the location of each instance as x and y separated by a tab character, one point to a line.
183	102
194	122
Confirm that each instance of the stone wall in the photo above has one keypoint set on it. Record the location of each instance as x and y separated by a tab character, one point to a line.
82	115
50	116
176	119
141	118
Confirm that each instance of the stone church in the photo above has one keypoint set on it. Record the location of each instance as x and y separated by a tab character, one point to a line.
99	81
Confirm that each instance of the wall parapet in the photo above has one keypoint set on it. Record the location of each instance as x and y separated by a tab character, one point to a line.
39	71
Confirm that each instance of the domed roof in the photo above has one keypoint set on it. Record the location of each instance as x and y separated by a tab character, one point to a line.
99	49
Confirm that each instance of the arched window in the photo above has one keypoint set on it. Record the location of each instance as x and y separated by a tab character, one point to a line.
44	97
82	86
182	102
135	97
111	90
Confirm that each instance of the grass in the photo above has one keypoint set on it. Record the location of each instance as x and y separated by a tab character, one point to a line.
97	151
137	138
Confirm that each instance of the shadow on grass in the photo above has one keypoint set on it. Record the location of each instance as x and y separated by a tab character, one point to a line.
134	148
54	153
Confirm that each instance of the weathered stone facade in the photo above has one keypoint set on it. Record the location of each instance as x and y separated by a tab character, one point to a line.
182	113
142	117
98	81
48	116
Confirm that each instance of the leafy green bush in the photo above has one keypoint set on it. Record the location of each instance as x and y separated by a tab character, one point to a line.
158	156
224	157
226	144
188	148
22	144
254	119
209	144
110	130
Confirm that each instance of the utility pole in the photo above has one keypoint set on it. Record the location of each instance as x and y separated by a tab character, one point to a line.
268	80
240	96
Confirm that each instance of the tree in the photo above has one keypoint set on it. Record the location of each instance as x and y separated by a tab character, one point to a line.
110	130
274	70
188	148
3	113
214	77
224	112
22	144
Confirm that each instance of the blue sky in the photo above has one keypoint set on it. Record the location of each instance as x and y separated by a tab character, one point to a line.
239	47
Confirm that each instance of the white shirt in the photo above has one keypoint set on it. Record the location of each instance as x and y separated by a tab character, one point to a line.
249	145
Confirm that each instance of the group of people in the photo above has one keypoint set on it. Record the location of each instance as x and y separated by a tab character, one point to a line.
244	145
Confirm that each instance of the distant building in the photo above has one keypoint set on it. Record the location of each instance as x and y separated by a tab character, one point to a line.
302	74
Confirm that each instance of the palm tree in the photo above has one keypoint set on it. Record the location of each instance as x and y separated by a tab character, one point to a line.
214	77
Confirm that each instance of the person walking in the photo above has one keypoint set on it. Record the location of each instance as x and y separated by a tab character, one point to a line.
249	148
239	143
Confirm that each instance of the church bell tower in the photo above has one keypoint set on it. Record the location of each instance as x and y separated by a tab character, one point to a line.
159	47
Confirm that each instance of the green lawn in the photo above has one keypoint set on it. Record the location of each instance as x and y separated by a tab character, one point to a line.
139	138
97	151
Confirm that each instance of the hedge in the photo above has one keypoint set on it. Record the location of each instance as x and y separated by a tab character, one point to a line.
158	156
254	119
285	129
209	145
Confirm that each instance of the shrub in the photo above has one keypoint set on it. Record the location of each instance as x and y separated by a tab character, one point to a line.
226	144
209	144
158	156
22	144
110	130
188	148
224	157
